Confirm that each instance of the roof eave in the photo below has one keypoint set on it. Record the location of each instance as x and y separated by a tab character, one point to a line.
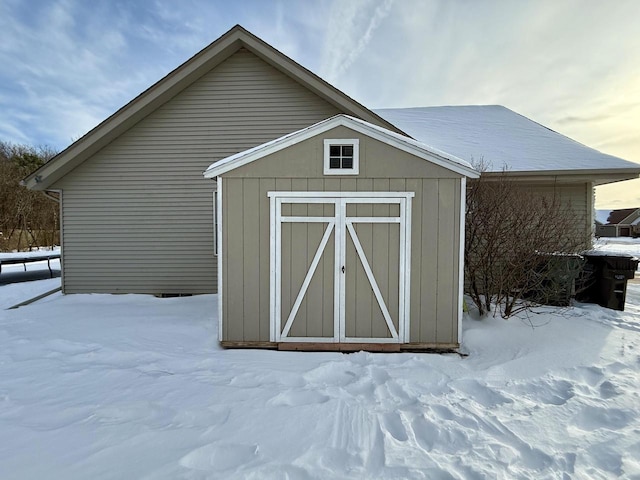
597	176
135	110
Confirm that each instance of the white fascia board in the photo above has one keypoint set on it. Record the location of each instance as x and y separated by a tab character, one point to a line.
378	133
622	173
414	147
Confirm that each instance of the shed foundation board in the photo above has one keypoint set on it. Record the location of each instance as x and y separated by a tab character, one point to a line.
347	347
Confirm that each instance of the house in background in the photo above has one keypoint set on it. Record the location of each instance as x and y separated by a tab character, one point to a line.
138	216
623	222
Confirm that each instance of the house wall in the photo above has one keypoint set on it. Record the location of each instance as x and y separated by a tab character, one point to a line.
435	233
578	197
138	215
606	231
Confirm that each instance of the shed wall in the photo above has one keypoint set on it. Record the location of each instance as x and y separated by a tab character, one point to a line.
435	247
138	215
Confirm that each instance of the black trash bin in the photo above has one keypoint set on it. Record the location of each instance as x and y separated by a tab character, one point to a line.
605	282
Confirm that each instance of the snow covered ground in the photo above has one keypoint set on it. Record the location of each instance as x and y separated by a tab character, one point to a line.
132	386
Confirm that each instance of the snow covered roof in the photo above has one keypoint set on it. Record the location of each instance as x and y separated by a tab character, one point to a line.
401	142
502	139
620	216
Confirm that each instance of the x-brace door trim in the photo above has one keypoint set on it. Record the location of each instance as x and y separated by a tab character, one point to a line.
342	226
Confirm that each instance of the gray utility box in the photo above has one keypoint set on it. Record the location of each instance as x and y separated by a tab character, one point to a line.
605	279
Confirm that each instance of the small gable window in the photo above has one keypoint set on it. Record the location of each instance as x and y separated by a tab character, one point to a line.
341	156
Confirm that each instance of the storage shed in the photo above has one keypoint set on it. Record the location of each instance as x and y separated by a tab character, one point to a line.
340	236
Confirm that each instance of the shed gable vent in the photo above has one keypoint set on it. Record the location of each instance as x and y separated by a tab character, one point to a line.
341	156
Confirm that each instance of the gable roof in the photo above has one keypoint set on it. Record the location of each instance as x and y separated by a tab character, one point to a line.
506	141
616	217
389	137
176	81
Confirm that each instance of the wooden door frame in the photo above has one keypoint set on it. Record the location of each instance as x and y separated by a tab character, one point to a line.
338	224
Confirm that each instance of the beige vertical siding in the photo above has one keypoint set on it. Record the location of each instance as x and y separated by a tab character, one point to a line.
138	214
435	247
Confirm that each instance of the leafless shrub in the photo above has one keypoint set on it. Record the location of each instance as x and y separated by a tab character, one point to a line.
518	245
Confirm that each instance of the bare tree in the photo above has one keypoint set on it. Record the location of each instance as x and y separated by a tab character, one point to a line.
519	245
28	219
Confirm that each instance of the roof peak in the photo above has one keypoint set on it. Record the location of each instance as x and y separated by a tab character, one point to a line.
180	78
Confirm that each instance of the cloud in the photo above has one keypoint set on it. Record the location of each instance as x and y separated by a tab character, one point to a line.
65	65
351	26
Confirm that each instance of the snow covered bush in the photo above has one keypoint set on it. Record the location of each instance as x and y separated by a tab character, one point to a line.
518	245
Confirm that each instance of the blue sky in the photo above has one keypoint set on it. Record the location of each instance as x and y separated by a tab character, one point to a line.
572	65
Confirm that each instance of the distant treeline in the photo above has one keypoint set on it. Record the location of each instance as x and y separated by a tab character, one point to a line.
28	219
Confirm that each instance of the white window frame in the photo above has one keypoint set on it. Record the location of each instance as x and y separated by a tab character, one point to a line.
355	143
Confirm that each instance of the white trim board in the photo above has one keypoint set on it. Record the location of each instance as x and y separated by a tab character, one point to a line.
463	203
393	139
219	259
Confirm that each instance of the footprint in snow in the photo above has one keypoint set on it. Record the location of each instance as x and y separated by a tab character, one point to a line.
391	422
219	457
450	439
331	374
547	391
592	418
426	433
590	375
295	398
481	394
608	390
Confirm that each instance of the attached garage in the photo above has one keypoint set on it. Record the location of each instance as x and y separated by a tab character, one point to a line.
340	236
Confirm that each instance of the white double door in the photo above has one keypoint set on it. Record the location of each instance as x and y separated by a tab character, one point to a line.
340	266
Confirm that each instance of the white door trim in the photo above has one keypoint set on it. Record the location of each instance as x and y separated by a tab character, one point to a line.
341	226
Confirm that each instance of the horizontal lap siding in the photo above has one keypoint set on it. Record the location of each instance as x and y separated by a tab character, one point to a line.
138	215
577	197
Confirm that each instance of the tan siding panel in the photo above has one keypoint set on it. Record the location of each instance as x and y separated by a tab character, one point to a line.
445	306
266	185
429	279
234	301
251	259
